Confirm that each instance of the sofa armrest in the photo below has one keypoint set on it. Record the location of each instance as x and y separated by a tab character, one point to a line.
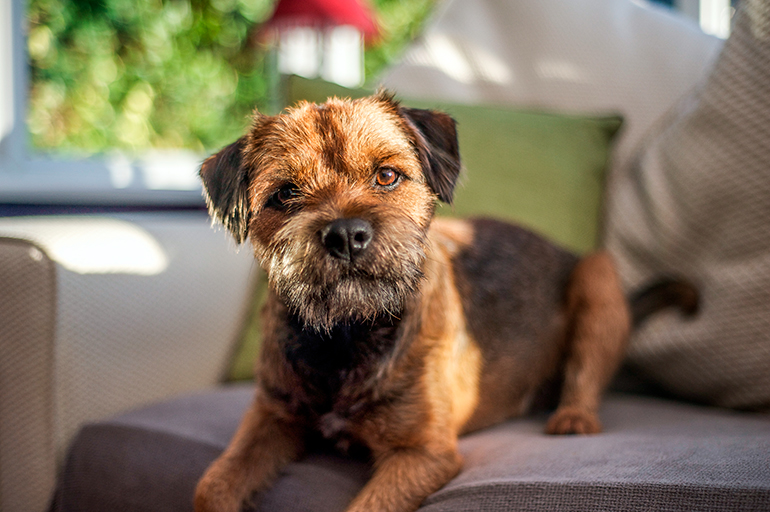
99	314
27	318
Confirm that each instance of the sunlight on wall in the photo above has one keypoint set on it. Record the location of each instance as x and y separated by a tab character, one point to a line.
91	245
463	62
715	17
562	71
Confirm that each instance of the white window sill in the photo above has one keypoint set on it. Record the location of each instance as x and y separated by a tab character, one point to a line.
167	178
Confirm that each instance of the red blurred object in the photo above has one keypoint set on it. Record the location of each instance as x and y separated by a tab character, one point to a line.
324	13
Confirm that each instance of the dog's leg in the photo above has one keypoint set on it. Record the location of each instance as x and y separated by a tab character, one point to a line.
404	477
266	440
599	322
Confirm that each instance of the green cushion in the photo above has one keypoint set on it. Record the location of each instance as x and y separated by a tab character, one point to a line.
542	170
250	339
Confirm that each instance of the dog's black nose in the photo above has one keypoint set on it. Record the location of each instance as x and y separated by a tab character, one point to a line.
347	238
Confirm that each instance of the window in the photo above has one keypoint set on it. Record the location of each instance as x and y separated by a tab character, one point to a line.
88	136
119	111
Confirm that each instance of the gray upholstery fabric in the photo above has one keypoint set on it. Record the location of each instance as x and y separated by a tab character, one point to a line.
654	455
696	202
27	317
150	460
148	305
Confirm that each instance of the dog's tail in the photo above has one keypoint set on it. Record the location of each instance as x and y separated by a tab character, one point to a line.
662	294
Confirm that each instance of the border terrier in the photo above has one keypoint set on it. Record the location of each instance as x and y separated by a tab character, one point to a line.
389	329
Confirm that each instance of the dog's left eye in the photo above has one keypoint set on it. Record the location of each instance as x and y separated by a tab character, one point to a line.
387	177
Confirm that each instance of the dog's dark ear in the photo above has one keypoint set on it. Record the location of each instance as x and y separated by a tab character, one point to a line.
438	149
225	183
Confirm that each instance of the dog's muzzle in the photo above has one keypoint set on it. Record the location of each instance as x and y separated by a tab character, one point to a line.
347	239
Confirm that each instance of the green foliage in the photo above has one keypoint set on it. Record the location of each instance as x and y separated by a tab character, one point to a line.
133	74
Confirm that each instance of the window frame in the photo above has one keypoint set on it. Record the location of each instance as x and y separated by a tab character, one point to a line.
30	177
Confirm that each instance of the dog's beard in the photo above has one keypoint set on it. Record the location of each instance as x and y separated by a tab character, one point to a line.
325	291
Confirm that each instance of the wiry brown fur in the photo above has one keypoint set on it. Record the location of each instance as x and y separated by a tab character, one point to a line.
433	329
352	139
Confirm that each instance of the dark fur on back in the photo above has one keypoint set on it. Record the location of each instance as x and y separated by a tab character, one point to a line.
514	270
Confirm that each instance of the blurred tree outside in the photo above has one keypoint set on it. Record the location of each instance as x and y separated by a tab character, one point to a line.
137	74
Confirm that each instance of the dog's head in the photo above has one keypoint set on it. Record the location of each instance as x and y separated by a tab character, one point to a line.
337	199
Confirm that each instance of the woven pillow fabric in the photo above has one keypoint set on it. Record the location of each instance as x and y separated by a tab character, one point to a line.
696	202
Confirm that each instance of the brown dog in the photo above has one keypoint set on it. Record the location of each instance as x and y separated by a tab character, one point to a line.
386	328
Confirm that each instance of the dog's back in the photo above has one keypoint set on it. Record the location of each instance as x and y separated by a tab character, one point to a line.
512	284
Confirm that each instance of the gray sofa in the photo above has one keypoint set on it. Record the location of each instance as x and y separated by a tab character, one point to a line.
111	378
100	313
655	454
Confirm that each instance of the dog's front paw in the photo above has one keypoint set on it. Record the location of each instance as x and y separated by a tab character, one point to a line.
215	494
571	420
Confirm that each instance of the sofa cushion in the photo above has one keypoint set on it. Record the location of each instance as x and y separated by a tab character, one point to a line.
27	363
654	455
696	202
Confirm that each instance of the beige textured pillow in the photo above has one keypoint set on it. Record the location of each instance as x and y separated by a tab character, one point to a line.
696	201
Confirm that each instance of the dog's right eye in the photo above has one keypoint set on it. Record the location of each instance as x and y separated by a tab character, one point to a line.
281	198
